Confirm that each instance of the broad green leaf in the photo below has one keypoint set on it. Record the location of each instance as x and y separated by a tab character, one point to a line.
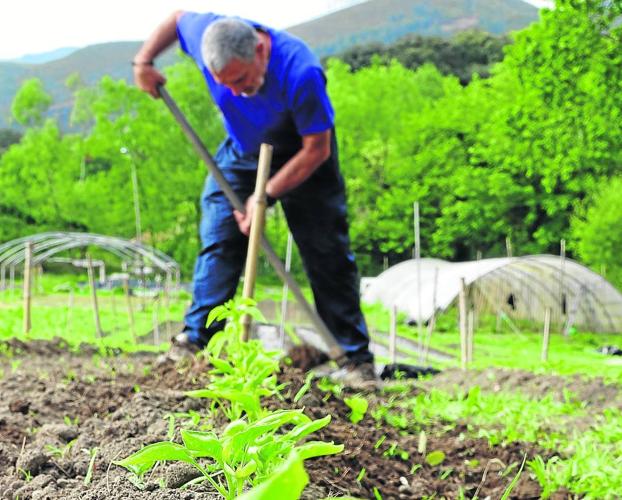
359	406
318	449
144	459
435	457
246	470
202	444
286	483
307	428
221	365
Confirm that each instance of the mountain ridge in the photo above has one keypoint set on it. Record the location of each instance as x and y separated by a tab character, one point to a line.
370	21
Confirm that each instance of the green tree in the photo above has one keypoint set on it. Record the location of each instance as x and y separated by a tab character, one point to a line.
30	103
596	235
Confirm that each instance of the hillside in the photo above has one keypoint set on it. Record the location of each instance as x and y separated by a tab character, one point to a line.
387	20
91	62
373	20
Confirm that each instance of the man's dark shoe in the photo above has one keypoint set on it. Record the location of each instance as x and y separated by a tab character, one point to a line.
181	348
354	375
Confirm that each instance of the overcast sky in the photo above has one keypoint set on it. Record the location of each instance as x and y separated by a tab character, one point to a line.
35	26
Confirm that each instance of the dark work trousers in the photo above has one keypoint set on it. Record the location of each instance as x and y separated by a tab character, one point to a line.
316	215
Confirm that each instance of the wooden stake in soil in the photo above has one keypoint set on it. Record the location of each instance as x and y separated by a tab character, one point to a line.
508	246
546	335
393	334
69	319
288	266
130	311
167	303
27	285
462	307
470	329
432	321
257	223
156	322
91	274
563	303
418	261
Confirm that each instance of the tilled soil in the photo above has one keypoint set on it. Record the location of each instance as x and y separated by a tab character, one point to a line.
58	408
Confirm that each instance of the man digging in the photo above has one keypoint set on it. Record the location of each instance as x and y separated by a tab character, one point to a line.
271	89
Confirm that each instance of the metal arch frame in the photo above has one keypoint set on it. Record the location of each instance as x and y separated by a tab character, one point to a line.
12	253
534	261
578	283
593	309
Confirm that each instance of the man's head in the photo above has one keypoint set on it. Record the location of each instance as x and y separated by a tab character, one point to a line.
235	55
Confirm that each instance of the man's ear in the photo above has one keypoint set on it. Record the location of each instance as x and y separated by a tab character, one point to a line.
260	50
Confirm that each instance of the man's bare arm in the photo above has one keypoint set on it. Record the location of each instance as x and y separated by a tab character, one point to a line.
315	151
146	76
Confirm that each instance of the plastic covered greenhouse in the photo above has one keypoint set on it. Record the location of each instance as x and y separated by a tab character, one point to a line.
519	287
47	245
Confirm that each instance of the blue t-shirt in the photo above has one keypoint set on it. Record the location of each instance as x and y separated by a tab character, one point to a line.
292	102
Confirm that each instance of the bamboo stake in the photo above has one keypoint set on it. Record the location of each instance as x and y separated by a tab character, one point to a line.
563	301
156	323
167	303
130	311
470	330
69	319
91	275
393	334
102	273
508	246
432	322
27	286
462	307
418	260
12	281
288	265
257	224
113	304
546	335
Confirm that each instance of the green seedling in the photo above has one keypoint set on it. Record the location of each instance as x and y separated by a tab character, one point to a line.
359	406
170	432
243	372
89	472
305	387
71	422
60	452
377	494
394	451
361	475
286	483
435	458
446	473
244	453
26	474
380	441
512	485
327	385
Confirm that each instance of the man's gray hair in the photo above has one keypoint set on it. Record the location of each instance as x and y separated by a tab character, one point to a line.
226	39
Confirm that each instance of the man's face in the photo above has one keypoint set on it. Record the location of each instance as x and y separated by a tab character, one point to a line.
242	77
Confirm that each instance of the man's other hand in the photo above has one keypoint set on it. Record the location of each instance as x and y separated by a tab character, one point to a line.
147	78
244	220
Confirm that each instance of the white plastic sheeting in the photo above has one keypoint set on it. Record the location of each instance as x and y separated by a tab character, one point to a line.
520	287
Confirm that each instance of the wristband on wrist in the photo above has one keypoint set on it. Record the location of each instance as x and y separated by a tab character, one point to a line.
142	63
